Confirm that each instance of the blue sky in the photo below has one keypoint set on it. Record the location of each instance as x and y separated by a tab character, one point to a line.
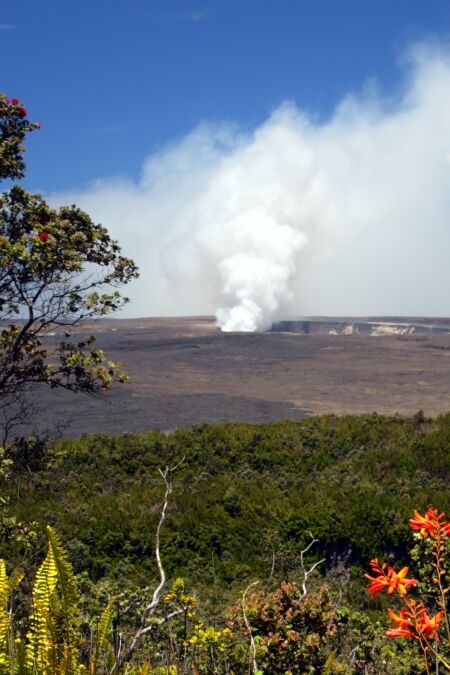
168	121
112	81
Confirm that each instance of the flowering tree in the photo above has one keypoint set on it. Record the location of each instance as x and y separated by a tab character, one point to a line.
414	621
57	268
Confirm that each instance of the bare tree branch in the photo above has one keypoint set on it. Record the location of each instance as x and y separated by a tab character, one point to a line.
151	607
306	572
253	663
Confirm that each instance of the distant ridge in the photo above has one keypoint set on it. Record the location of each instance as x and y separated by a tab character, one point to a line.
307	325
375	326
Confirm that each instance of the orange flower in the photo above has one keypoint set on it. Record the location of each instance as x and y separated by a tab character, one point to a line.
388	579
400	632
428	626
416	623
430	524
405	626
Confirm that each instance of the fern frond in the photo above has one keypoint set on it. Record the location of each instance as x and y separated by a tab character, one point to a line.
42	637
24	659
4	617
104	626
52	640
66	576
67	599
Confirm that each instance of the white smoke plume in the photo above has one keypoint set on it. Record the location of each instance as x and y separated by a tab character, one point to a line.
347	216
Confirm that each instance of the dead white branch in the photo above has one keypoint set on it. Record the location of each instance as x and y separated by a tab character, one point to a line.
253	663
307	572
150	608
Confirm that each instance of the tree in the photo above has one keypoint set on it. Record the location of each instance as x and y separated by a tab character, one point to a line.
57	268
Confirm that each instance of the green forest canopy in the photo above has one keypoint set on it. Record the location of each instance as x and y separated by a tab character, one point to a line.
243	495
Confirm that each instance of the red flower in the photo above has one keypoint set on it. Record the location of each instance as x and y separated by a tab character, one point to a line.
416	623
428	625
43	236
400	632
430	524
405	626
14	101
37	125
22	112
388	579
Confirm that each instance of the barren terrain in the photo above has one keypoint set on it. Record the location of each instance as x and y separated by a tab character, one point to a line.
184	371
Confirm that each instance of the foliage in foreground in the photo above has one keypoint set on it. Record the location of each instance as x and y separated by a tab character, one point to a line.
230	521
286	631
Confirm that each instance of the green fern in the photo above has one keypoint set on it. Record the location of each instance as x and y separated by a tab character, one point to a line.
66	576
4	618
65	605
42	636
52	641
103	646
23	659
